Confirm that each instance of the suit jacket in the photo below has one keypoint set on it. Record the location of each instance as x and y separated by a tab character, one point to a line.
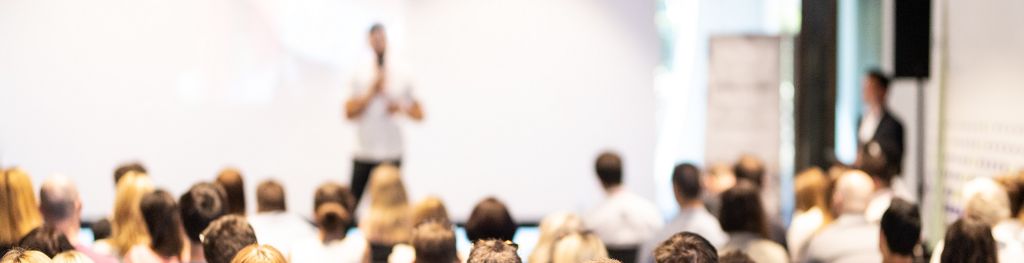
889	136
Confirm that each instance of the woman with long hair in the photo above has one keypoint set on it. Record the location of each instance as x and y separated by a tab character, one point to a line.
127	225
19	211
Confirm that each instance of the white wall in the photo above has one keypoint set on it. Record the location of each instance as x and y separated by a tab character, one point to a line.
520	95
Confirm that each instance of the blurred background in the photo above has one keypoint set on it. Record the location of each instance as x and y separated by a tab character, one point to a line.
520	95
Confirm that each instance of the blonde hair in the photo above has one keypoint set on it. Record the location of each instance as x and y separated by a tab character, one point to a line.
71	257
19	255
388	218
579	247
19	211
430	209
986	201
553	227
259	254
128	227
811	188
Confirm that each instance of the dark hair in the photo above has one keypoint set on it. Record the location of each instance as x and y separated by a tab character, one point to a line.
331	192
202	204
686	247
163	220
901	225
225	237
101	229
334	219
686	180
742	210
124	169
735	256
270	197
969	240
609	169
880	77
47	240
231	180
376	27
494	251
490	219
750	168
434	243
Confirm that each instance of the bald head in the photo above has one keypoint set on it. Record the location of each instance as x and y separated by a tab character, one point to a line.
853	192
58	200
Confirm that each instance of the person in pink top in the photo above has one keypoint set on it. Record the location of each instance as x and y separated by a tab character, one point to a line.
163	221
61	207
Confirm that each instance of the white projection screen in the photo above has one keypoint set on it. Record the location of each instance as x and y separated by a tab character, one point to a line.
520	96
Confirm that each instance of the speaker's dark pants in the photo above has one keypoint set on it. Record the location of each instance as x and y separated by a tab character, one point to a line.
361	175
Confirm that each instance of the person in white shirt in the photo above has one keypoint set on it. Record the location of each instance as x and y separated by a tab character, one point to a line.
811	210
833	243
623	220
380	94
273	224
693	216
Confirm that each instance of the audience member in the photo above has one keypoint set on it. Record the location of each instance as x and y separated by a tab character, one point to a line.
332	192
901	230
129	228
47	240
494	251
720	177
273	223
832	244
163	222
434	242
692	217
72	257
969	240
685	247
20	255
873	162
623	220
333	221
387	221
202	204
129	167
987	201
61	207
752	169
19	212
579	247
552	227
429	210
101	230
259	254
225	237
231	180
490	219
101	245
743	218
811	187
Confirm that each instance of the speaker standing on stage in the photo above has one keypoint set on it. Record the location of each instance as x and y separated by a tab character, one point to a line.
879	125
380	96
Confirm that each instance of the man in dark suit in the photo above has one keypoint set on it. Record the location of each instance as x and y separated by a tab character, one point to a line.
879	125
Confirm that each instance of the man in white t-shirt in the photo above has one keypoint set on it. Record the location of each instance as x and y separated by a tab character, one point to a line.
380	95
623	220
